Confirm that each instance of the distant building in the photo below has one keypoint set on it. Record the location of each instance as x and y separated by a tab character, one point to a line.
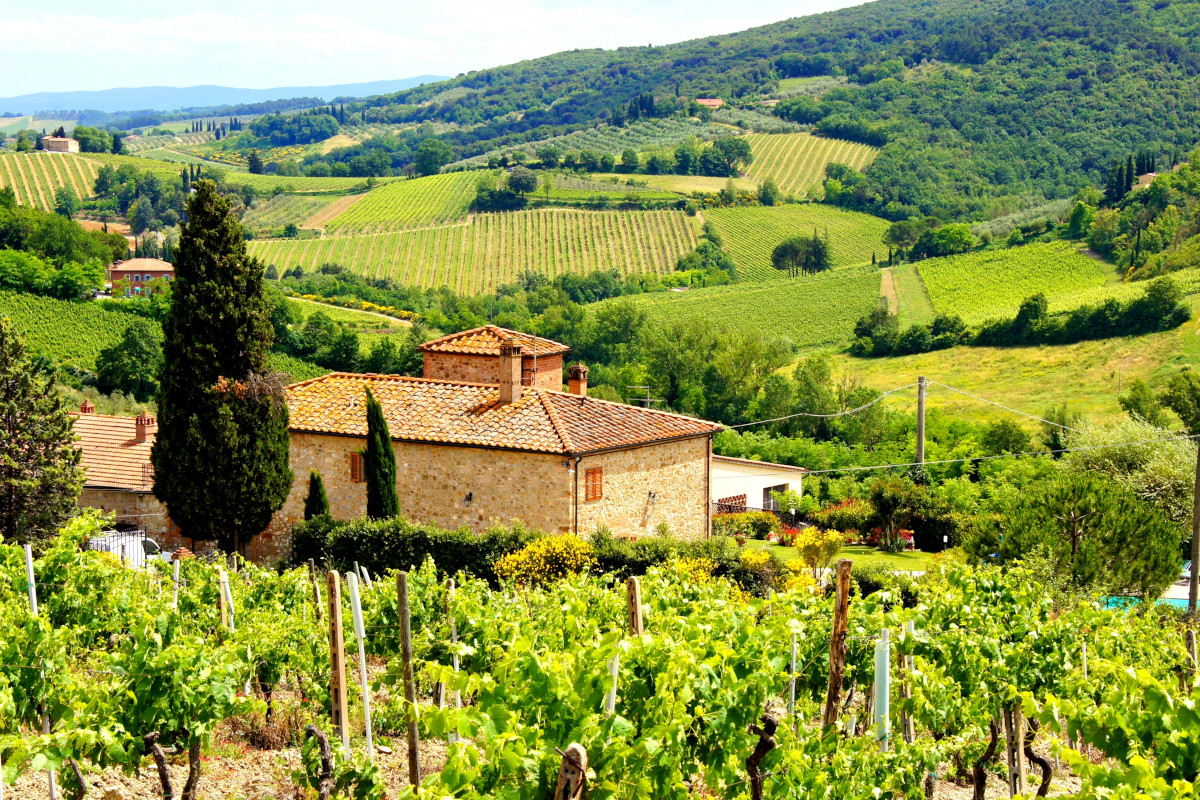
139	272
59	144
740	484
710	102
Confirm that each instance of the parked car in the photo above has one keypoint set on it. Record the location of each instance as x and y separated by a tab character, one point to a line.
135	547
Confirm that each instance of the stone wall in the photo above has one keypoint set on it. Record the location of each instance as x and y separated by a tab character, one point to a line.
486	369
676	473
140	509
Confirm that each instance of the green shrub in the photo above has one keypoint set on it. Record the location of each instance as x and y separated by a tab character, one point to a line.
398	543
751	524
624	558
872	578
852	514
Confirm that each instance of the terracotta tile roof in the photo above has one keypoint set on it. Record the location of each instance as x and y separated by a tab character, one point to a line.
113	457
486	341
144	264
448	412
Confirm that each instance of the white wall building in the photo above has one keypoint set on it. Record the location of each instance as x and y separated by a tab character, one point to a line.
739	483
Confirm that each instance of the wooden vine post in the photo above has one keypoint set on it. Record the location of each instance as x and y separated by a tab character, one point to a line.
175	581
410	688
1189	640
316	591
361	636
837	644
572	774
1014	734
338	711
634	588
908	729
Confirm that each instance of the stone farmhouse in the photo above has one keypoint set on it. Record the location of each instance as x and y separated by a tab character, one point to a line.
138	272
59	144
486	436
503	445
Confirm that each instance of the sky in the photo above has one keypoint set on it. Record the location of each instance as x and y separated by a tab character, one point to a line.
73	45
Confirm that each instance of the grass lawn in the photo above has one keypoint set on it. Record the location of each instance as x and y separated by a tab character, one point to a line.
910	560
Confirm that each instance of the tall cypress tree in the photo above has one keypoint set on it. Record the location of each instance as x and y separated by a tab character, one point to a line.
1130	175
317	502
40	476
379	464
221	455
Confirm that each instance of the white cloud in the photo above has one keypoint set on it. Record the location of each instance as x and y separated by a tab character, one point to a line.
277	43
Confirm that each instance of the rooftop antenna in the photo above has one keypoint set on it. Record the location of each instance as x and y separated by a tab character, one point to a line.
644	402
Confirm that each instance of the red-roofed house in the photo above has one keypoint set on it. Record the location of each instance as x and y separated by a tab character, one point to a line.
503	446
120	480
710	102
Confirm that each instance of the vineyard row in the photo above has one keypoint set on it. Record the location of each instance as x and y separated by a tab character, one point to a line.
35	177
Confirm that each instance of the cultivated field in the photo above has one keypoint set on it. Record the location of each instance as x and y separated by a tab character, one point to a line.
752	232
409	203
813	310
36	176
679	184
796	161
73	333
993	283
137	146
278	211
260	183
640	135
489	249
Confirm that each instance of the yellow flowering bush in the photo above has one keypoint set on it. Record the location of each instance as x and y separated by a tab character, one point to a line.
818	548
696	570
797	576
545	560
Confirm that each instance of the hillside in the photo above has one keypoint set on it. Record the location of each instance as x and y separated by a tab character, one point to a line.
990	106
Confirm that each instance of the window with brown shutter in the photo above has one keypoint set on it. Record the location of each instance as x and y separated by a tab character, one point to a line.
593	484
356	468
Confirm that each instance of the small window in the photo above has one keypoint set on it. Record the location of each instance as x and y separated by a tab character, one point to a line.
356	468
593	484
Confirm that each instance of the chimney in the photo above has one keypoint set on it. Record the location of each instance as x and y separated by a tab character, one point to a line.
577	380
145	425
87	407
510	372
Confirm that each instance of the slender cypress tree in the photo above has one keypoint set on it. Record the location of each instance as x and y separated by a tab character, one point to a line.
1130	176
379	464
317	502
221	455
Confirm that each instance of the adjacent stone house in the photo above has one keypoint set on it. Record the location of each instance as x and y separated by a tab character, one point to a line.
475	453
119	478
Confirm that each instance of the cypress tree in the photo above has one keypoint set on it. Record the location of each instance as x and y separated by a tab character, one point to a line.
1130	176
379	464
317	502
221	455
40	475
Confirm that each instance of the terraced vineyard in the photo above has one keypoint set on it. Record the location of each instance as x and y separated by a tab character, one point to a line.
489	249
796	161
405	204
283	209
143	143
73	333
36	176
752	232
810	311
993	283
609	139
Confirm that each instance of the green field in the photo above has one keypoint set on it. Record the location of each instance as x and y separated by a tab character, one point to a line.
992	283
809	311
1086	375
406	204
278	211
143	143
796	161
679	184
752	232
261	183
1187	279
489	249
36	176
296	369
915	307
68	332
11	126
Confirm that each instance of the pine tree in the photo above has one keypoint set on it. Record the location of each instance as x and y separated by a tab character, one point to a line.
221	456
317	502
40	476
379	464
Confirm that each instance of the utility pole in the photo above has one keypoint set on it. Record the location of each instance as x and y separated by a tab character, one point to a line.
921	419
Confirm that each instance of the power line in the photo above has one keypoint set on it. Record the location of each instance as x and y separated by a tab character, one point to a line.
998	405
823	416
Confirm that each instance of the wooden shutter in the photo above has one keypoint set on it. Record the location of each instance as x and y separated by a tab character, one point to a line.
594	484
356	468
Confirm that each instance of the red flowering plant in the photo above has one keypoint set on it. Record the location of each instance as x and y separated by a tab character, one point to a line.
787	536
898	540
